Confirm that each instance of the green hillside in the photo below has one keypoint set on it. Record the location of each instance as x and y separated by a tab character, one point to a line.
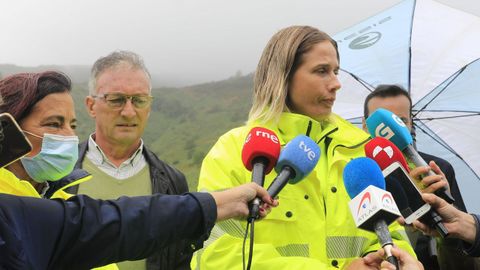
186	122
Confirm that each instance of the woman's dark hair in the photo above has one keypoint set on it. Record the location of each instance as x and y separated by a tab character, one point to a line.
384	91
20	92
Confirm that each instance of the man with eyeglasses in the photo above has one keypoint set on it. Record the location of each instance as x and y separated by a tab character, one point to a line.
450	256
119	101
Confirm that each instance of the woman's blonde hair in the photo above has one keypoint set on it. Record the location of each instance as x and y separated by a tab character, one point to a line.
279	61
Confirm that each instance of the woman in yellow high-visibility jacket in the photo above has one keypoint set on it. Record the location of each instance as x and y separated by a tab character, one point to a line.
294	91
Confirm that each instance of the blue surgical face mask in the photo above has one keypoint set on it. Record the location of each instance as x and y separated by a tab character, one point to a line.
55	160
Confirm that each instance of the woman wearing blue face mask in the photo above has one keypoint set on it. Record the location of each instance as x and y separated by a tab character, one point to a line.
43	107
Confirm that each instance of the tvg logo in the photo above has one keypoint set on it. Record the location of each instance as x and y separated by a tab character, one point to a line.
398	120
384	131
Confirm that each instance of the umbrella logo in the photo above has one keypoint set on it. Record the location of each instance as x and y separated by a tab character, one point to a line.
365	41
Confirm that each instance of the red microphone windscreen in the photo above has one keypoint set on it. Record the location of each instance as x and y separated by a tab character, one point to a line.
384	152
261	142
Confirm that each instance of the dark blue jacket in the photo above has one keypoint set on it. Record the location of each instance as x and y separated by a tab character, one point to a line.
474	249
82	233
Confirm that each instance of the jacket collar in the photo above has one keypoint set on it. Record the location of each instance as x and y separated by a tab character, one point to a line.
291	125
336	128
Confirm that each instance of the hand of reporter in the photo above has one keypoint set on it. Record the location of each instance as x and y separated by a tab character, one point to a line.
405	260
459	224
433	182
233	203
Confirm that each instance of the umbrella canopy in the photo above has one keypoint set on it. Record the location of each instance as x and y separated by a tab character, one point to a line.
431	50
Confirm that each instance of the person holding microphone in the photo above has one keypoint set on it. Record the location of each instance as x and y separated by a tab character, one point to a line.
294	92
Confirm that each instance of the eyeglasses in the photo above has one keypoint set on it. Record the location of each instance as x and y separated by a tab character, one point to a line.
117	101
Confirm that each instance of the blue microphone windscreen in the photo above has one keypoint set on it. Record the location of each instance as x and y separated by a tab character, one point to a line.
360	173
301	154
384	123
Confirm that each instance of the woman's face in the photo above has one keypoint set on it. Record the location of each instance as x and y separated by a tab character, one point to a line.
314	84
54	114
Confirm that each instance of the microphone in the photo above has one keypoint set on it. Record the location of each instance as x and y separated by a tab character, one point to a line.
259	155
385	153
383	123
371	206
296	161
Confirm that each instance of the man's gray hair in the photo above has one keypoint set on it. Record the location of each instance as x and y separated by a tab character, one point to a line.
114	59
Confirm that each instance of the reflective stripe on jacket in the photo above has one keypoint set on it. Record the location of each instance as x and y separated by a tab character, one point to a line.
312	228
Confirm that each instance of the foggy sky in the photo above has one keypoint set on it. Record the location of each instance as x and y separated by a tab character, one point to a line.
187	41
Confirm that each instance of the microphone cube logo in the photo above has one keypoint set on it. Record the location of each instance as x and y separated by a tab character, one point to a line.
384	131
364	202
387	150
310	153
267	135
398	120
389	203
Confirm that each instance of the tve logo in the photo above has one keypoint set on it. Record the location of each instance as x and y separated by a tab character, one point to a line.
310	154
267	135
384	131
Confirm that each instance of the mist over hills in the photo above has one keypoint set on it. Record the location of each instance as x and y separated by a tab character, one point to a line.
80	74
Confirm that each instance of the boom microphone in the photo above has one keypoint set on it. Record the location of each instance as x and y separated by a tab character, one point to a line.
371	206
384	123
296	161
259	155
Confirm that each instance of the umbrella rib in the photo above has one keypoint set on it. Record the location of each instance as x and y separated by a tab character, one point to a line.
441	142
358	79
446	117
468	114
440	91
459	111
446	146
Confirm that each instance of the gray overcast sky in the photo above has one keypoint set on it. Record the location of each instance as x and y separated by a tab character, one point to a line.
188	40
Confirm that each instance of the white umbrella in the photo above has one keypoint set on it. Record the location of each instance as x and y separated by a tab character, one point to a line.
431	50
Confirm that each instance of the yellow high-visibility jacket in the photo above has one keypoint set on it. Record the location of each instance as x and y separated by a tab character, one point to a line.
312	228
10	184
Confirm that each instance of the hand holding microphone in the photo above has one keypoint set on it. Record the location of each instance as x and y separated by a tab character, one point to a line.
371	206
259	155
233	202
431	183
383	123
407	196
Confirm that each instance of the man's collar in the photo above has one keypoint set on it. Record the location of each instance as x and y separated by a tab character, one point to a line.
100	156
